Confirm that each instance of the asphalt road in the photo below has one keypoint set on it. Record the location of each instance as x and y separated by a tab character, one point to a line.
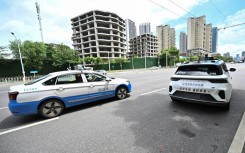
147	121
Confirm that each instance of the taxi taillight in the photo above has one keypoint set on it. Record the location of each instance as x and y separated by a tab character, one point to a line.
13	95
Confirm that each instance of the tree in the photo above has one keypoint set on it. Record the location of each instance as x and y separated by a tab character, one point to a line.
120	61
182	60
33	53
62	54
193	58
98	60
172	51
14	48
90	60
2	51
225	59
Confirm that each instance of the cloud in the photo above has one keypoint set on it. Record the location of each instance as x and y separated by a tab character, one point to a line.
181	26
232	49
230	39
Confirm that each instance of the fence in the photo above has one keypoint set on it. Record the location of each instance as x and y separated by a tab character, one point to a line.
17	79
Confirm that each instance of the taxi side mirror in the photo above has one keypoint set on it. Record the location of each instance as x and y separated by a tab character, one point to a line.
108	79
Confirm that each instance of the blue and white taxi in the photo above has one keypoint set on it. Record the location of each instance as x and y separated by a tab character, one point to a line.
52	93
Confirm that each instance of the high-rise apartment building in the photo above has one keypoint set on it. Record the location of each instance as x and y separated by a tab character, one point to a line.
237	58
227	55
145	28
165	37
130	32
199	36
99	34
243	55
183	42
214	39
208	36
144	45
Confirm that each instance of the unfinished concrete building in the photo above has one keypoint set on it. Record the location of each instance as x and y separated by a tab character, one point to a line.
99	34
144	45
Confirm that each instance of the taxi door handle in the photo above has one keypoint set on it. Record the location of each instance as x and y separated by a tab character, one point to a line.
91	86
60	88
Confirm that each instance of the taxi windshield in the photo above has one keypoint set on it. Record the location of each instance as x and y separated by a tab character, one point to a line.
36	80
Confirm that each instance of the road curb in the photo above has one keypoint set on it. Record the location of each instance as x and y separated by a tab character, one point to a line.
239	139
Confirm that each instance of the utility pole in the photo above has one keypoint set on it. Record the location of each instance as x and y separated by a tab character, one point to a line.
21	62
39	19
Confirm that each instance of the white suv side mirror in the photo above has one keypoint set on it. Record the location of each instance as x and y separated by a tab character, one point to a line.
232	69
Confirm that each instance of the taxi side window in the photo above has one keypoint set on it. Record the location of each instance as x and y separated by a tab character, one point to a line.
91	77
70	78
50	81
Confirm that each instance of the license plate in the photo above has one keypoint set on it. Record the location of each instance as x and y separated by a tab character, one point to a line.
192	83
195	90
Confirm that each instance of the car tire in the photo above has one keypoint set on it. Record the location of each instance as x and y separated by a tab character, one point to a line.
51	108
174	100
121	93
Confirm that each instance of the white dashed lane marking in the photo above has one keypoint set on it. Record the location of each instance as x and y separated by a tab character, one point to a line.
27	126
152	91
3	108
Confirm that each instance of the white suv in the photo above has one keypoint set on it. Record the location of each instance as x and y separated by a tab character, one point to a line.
206	81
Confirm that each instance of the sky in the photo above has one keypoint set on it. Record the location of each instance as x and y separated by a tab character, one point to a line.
20	17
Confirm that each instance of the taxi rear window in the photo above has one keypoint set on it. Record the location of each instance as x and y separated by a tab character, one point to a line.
199	70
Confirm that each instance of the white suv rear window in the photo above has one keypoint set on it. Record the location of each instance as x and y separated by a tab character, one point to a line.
199	70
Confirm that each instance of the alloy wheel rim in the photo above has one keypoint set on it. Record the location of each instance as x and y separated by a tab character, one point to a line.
122	93
52	109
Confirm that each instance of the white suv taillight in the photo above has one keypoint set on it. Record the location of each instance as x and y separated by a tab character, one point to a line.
13	95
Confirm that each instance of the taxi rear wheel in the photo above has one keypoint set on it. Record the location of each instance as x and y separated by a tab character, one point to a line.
121	93
51	108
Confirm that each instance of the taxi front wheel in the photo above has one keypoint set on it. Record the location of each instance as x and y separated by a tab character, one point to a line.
51	108
121	93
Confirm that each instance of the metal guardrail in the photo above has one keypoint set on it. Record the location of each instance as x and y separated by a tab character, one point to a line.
17	79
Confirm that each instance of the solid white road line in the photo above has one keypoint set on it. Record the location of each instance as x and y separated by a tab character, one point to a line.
4	108
152	91
239	139
27	126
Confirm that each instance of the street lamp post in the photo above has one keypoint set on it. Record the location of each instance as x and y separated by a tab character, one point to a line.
166	60
109	61
158	59
21	62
